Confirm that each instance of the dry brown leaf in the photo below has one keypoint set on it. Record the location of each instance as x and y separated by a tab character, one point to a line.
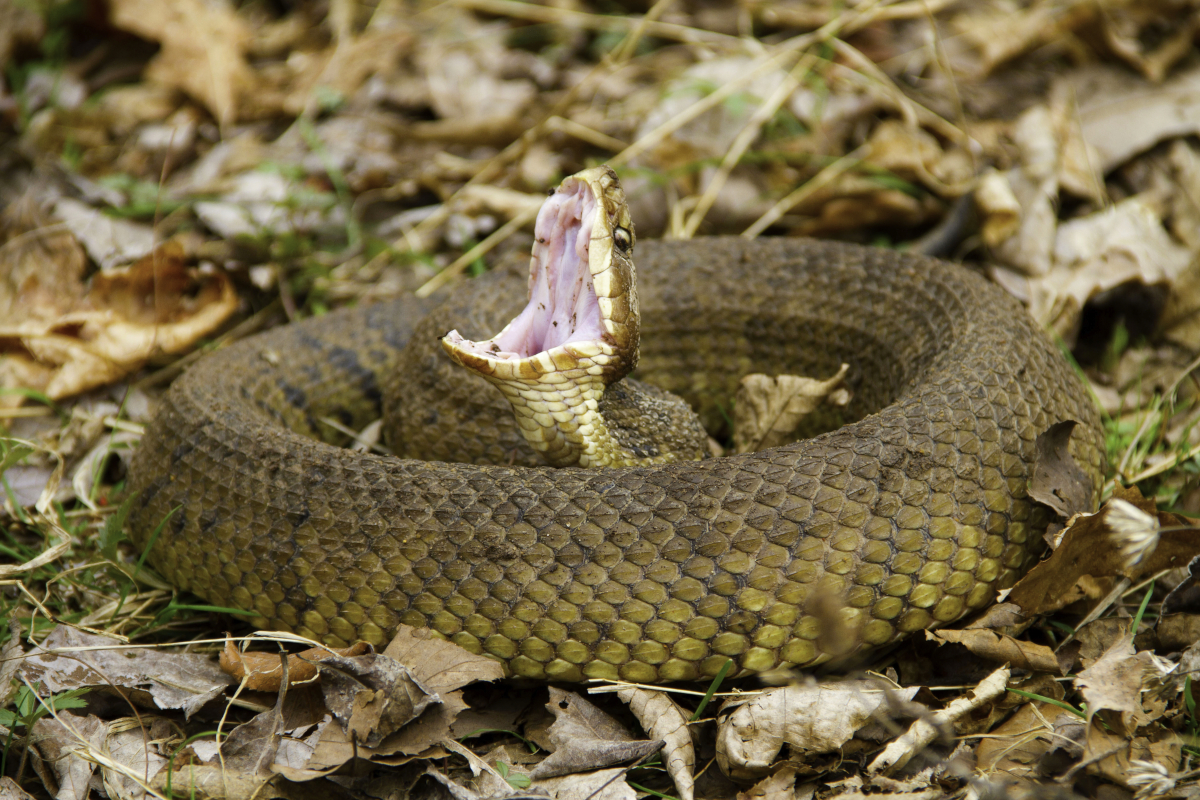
922	732
1121	244
781	785
63	743
264	673
1108	97
41	265
1014	748
1185	597
1111	754
251	747
1175	632
904	149
1087	548
489	782
9	790
815	718
70	659
10	658
988	35
203	46
418	739
372	695
135	757
433	665
1116	681
1057	480
61	346
339	69
586	738
20	23
110	242
995	646
1034	183
768	410
664	720
201	782
440	665
604	784
465	74
1001	615
998	207
1137	36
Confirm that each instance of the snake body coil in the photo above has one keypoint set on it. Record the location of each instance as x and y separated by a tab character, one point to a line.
908	518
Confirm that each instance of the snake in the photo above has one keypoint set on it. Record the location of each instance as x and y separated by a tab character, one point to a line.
905	510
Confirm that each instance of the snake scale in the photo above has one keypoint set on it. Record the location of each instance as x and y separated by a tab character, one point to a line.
909	517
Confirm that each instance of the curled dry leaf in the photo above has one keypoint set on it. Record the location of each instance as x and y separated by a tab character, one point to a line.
816	718
664	720
432	665
372	696
585	738
999	209
1105	752
1185	597
490	782
437	667
65	342
1123	243
1057	480
251	747
1001	615
1088	549
70	659
768	411
995	646
264	673
202	782
924	731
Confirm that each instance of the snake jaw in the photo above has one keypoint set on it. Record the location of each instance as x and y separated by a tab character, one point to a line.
582	290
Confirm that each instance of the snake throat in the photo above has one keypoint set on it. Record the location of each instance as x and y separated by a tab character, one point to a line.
563	322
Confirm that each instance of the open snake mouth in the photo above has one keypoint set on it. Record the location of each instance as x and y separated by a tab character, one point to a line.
563	308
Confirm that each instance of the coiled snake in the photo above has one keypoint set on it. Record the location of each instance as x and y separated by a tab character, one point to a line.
909	517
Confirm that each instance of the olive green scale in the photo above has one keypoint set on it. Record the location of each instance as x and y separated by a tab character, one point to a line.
908	518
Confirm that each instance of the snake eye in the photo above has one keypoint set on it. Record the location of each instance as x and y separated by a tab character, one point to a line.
623	239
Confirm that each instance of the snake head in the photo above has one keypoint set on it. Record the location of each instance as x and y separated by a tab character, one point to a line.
579	332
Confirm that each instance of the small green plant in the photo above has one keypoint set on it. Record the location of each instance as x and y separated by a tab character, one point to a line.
515	779
28	708
1116	347
1079	712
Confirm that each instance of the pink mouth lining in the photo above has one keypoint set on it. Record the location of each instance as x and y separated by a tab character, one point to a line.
562	304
